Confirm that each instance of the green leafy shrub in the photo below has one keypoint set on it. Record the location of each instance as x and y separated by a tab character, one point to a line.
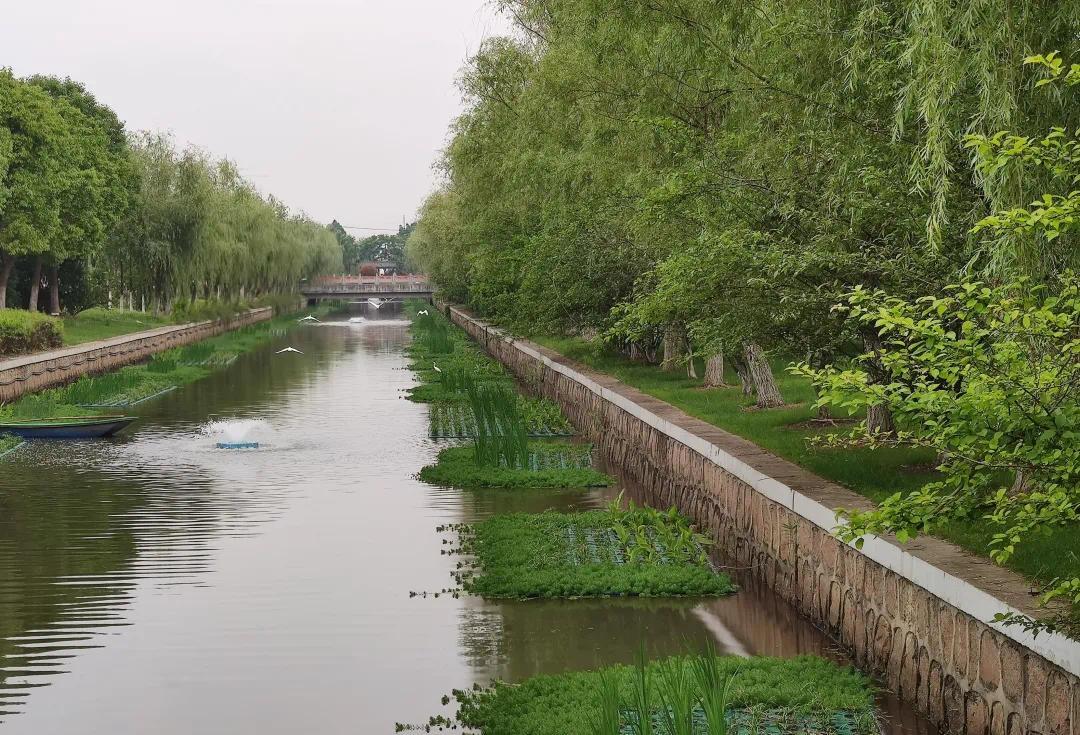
28	331
803	695
552	554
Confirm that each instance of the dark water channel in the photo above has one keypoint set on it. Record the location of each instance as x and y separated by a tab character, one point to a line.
155	584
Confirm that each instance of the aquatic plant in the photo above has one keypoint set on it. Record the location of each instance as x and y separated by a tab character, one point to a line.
787	694
647	533
500	439
457	467
522	556
714	689
642	699
606	718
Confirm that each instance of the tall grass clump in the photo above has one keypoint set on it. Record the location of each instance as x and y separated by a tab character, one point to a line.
501	437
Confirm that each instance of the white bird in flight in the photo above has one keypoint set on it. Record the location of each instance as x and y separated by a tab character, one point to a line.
290	349
308	318
376	302
422	311
437	368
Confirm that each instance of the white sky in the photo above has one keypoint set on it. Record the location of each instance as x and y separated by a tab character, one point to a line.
337	107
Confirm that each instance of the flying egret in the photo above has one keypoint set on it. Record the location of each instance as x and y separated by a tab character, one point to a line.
289	349
308	318
422	311
437	368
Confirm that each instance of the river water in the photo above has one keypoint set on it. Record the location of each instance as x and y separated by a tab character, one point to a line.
156	584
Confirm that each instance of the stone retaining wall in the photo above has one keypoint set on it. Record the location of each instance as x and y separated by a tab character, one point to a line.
917	616
31	373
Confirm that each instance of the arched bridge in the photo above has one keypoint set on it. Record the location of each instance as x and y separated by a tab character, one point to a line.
367	287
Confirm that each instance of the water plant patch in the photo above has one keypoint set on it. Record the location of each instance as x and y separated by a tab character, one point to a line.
563	555
702	694
547	466
450	419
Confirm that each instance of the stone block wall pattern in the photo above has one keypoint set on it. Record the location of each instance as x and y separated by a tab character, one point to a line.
31	373
917	616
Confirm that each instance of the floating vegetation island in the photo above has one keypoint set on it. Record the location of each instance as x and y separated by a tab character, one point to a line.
473	397
637	552
704	694
547	465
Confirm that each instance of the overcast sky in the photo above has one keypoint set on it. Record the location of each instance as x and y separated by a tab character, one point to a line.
338	107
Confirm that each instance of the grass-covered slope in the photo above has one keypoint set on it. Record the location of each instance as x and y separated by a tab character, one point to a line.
589	554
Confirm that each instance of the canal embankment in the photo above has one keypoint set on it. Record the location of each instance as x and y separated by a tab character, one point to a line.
27	374
918	615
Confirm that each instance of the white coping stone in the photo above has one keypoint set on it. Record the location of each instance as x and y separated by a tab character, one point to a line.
959	593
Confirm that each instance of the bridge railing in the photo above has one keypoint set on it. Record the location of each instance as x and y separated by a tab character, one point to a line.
368	284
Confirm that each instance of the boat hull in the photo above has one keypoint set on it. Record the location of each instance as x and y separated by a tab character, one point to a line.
92	429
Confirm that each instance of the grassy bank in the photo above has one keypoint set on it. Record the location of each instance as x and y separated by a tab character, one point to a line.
786	432
638	553
765	696
100	323
129	385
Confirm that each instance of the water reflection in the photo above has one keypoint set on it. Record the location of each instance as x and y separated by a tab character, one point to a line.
158	584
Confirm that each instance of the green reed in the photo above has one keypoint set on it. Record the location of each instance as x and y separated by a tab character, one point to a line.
607	720
501	438
714	689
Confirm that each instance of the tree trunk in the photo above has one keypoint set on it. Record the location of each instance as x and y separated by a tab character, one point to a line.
691	368
35	284
672	343
746	380
7	264
879	419
54	290
714	371
768	392
636	353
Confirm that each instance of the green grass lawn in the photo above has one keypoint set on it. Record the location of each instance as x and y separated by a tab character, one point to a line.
100	323
874	474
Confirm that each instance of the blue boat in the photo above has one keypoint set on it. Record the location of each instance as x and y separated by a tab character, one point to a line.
75	427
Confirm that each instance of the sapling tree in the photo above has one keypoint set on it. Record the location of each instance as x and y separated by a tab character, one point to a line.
989	379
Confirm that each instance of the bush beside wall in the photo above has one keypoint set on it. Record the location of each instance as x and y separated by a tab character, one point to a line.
28	331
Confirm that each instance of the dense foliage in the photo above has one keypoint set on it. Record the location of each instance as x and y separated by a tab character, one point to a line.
380	248
580	555
130	217
23	331
701	178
